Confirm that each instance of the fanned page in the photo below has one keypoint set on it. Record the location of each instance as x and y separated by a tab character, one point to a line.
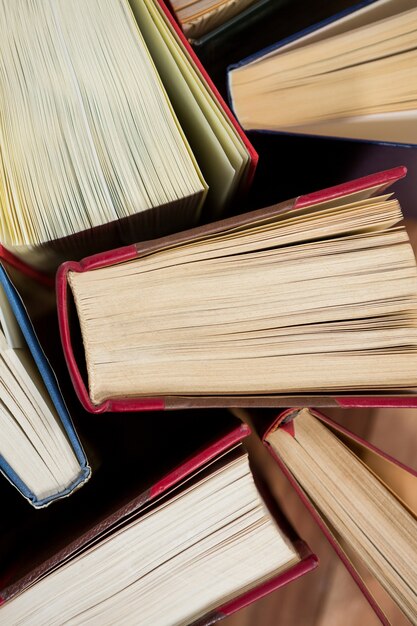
219	149
359	83
318	299
33	442
202	546
372	521
87	133
199	17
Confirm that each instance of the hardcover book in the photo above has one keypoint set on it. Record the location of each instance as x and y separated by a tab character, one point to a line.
351	489
310	302
40	453
132	135
346	78
341	80
192	546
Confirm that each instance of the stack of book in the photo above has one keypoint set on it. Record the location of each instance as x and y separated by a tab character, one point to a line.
124	181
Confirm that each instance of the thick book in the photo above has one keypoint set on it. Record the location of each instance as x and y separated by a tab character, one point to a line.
192	546
309	302
40	453
361	498
133	138
363	122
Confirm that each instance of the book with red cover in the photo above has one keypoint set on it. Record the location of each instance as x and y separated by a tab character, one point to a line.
125	483
366	187
22	270
390	472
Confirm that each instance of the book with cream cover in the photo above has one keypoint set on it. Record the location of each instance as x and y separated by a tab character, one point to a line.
310	302
194	545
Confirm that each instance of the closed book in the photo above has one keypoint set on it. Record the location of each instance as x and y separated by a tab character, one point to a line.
41	454
366	513
275	307
195	544
355	138
125	121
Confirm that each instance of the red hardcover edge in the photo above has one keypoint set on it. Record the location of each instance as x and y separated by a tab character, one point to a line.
198	460
289	414
251	150
145	404
381	179
307	564
24	268
403	402
126	253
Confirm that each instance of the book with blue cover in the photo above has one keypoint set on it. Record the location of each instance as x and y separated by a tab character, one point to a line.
40	453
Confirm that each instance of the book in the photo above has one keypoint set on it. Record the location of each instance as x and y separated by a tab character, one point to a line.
201	16
309	302
346	79
132	135
361	498
271	20
352	144
191	546
40	453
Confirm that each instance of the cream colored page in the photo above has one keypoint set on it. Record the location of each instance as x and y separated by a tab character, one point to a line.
200	98
33	443
396	127
85	102
354	91
365	71
225	129
197	540
250	314
373	523
202	133
367	43
379	10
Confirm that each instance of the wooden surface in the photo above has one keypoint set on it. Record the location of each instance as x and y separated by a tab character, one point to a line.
328	596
